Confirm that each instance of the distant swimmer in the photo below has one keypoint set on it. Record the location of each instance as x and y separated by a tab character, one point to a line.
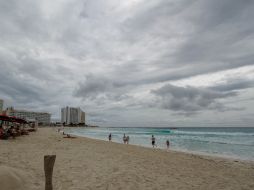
153	141
167	143
109	137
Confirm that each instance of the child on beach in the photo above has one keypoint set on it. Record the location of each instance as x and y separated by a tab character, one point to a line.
109	137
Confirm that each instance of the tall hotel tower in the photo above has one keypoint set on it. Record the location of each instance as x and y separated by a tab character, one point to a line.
72	115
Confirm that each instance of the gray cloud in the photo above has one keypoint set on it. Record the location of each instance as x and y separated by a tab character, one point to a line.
190	100
235	84
220	28
109	55
93	87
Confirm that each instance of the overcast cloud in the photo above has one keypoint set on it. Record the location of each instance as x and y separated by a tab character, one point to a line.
131	63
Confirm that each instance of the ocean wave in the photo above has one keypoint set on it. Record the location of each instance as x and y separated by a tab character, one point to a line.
178	132
214	141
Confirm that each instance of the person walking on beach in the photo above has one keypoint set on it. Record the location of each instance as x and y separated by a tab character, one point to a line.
153	141
167	143
109	137
124	138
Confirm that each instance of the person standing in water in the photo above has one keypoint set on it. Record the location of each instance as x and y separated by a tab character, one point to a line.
167	143
124	138
109	137
127	139
153	141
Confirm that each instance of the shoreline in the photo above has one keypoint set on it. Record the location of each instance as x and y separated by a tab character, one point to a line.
84	163
197	153
202	154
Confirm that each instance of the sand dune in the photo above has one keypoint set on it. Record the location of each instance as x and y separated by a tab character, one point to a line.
83	163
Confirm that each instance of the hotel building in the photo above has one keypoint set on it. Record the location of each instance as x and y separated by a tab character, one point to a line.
42	117
70	115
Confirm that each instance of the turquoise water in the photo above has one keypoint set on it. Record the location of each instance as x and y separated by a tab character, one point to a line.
226	142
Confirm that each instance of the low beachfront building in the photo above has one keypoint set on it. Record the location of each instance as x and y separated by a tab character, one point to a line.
71	115
43	118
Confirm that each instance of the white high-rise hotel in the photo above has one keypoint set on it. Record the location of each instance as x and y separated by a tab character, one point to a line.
72	115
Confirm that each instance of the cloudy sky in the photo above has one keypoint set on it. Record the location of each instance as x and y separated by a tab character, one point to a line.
160	63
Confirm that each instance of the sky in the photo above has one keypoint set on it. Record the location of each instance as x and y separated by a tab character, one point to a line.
135	63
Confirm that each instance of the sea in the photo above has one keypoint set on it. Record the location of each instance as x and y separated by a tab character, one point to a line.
228	142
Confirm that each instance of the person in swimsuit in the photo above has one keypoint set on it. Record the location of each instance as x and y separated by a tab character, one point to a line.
124	139
109	137
153	141
167	143
127	139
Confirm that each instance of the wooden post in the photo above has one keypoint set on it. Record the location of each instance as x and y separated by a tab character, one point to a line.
49	161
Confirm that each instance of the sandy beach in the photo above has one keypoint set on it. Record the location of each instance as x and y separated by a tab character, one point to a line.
83	163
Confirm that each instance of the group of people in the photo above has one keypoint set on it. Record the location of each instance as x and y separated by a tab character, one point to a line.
127	138
65	135
12	131
154	144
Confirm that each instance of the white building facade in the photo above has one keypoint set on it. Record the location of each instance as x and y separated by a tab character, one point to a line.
42	117
70	115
